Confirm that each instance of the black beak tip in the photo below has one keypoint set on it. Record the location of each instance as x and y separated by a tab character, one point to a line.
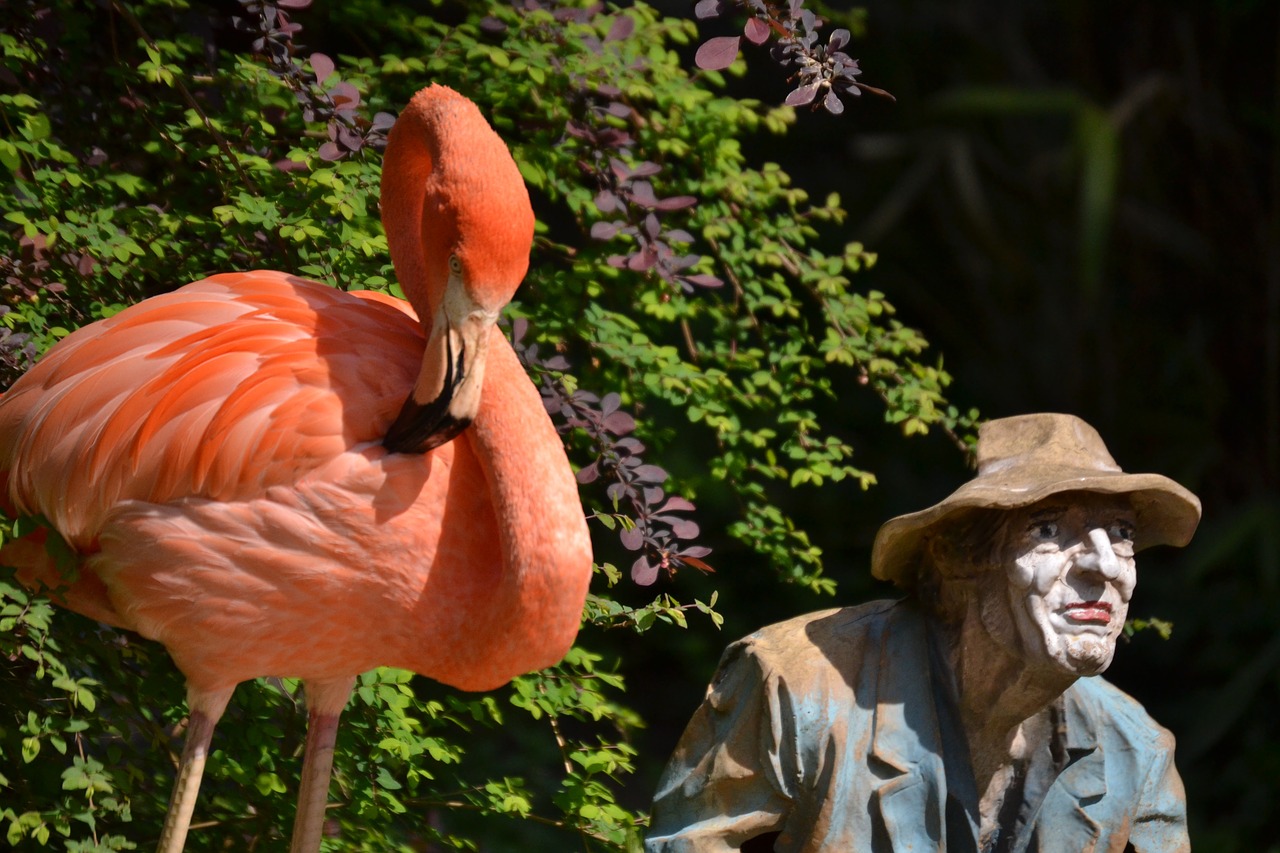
419	429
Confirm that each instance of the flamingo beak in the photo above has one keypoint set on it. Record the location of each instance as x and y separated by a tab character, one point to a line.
446	397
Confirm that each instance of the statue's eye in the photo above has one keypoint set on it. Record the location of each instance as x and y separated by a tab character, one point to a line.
1044	530
1120	531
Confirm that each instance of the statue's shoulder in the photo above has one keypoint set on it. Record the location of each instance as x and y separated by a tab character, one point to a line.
1119	715
823	638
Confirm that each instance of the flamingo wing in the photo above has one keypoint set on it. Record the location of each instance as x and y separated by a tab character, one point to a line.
219	390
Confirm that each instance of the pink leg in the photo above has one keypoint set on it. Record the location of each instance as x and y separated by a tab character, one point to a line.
206	709
325	701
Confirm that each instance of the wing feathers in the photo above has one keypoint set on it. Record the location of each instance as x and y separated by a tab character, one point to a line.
220	389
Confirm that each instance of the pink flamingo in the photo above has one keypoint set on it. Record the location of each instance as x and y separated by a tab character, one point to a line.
256	470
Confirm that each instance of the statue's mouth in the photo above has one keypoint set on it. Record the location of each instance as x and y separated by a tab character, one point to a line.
1088	612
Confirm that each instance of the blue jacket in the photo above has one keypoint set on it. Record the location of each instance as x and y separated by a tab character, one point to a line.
828	731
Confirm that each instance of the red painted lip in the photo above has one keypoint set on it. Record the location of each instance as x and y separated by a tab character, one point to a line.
1088	611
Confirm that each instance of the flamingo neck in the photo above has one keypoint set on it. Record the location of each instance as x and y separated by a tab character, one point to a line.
544	541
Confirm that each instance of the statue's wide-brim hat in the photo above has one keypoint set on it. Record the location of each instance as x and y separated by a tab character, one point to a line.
1023	460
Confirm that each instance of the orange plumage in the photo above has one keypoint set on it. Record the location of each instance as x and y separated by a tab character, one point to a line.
250	470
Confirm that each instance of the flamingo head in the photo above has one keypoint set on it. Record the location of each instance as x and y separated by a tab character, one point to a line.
474	230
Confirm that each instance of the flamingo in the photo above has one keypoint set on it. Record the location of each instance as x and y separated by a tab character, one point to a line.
274	477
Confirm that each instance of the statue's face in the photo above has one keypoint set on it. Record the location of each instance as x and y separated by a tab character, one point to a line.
1071	573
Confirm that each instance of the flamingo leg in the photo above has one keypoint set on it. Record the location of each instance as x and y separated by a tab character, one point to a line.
325	701
206	708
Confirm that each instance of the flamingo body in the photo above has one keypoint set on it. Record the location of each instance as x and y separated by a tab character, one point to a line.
273	477
234	503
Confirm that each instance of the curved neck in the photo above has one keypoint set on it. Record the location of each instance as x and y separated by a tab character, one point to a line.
544	540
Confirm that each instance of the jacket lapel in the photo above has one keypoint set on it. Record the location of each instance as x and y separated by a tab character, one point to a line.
1082	783
906	747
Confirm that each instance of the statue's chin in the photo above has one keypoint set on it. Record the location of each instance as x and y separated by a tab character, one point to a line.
1084	656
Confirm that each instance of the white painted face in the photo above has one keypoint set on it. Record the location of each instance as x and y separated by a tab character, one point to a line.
1071	574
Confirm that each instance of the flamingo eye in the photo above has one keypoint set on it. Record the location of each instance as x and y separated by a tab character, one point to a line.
455	265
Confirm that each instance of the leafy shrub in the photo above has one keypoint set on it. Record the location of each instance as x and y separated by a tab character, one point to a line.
675	299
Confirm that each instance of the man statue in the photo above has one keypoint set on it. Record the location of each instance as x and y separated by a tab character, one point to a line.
963	717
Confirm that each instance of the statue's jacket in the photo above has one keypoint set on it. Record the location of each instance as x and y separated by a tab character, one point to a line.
832	732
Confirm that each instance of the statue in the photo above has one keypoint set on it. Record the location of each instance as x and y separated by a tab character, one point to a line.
963	717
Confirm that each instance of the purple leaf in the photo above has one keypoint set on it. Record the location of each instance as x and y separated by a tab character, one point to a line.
491	24
718	53
677	202
618	109
704	280
650	474
706	9
643	573
330	152
803	94
293	4
629	445
678	504
604	230
832	102
612	137
621	28
679	235
684	529
382	121
643	259
620	169
616	491
643	195
838	39
756	31
632	538
606	202
646	169
349	138
344	94
695	562
589	474
322	65
609	403
695	551
619	423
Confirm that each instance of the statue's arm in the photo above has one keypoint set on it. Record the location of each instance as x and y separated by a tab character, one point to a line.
1161	822
730	777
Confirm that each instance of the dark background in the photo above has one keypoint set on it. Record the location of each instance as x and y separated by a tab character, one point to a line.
1076	202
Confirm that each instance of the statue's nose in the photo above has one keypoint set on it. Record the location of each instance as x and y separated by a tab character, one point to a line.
1098	555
